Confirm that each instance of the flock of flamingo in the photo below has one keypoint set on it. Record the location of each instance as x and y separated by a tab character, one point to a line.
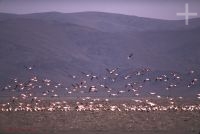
90	92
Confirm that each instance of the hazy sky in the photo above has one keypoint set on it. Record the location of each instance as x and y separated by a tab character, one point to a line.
164	9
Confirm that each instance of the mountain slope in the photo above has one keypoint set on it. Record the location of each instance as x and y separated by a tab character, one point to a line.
60	45
108	22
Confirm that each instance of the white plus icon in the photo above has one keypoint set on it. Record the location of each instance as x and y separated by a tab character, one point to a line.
186	14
